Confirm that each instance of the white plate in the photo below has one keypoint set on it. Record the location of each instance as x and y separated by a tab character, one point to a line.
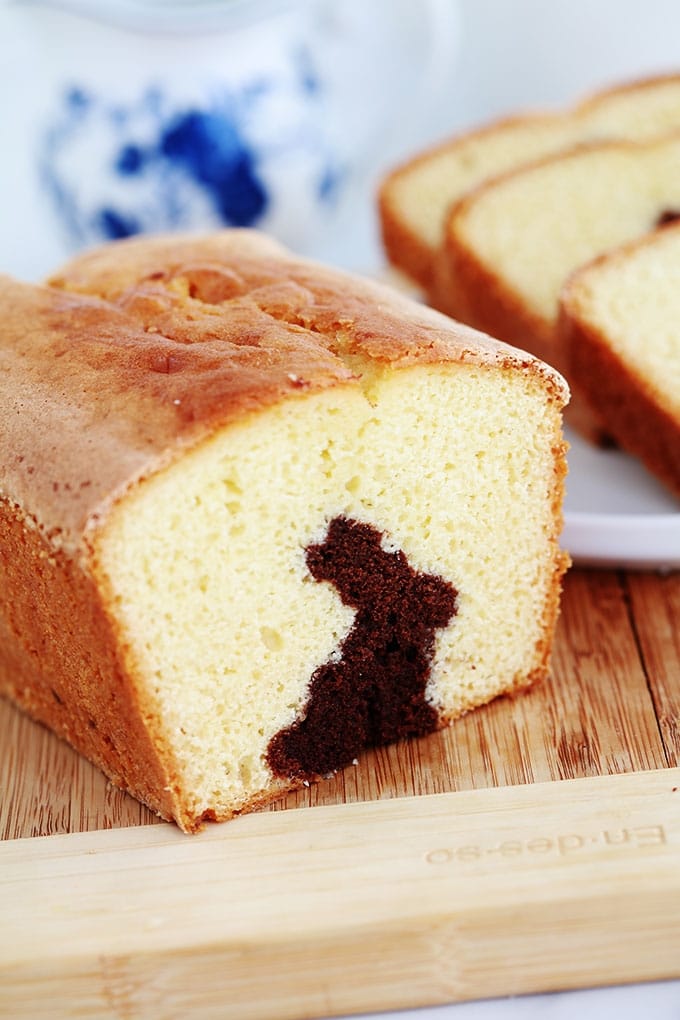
616	513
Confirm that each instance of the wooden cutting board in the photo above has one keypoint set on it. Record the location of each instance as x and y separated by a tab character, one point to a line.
454	867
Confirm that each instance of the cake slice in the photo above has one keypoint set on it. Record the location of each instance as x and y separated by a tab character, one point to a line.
417	197
620	325
513	243
258	515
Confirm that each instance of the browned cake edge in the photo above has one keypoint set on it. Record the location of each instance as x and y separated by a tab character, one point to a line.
635	419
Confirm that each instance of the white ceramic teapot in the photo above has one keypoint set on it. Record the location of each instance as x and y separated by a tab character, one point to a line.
127	116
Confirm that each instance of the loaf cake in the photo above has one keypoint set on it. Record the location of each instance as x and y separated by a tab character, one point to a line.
258	515
620	326
417	197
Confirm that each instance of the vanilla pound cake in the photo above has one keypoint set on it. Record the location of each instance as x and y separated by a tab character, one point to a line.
258	515
620	325
417	198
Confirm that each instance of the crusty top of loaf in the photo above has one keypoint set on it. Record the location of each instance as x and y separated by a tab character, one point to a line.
143	347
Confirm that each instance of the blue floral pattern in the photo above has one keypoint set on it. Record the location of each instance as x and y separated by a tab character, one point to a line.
164	163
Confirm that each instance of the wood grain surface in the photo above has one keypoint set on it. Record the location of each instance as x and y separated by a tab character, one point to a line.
349	907
612	706
498	880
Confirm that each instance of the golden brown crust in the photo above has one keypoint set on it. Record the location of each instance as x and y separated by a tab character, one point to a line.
345	316
189	334
162	281
490	305
560	564
124	381
635	419
60	661
594	100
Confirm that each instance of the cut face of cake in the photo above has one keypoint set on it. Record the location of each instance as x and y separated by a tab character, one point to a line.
417	198
620	326
295	516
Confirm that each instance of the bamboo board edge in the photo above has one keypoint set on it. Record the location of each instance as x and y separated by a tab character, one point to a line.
345	908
